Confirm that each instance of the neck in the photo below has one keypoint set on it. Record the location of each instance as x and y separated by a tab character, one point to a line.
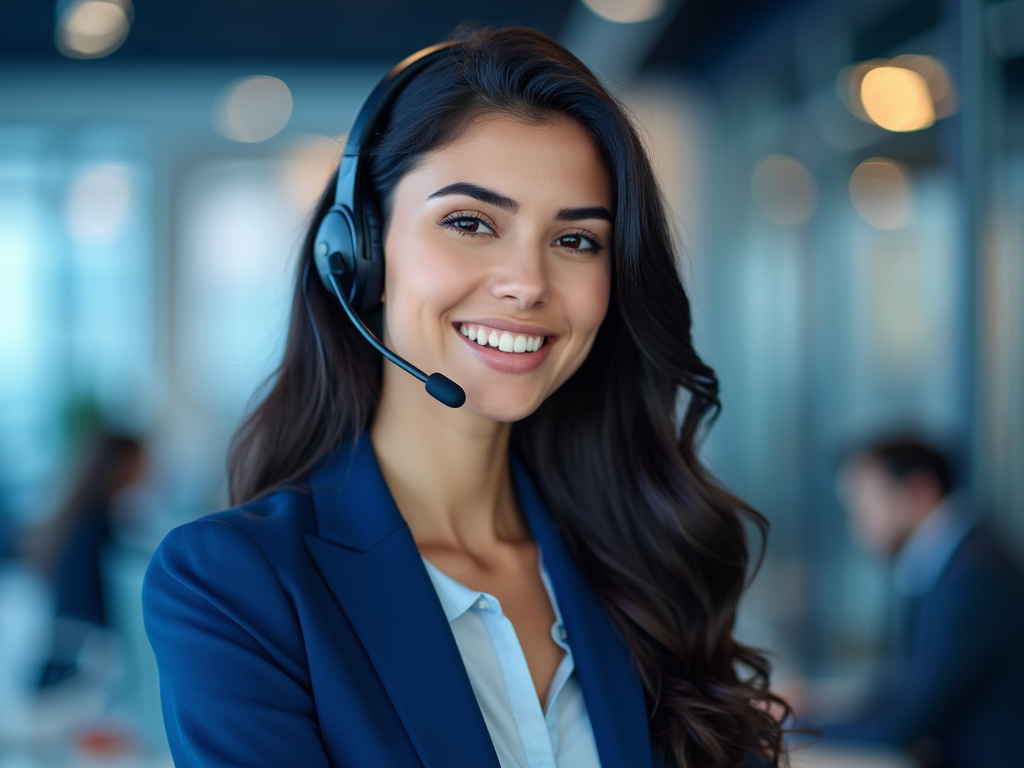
447	469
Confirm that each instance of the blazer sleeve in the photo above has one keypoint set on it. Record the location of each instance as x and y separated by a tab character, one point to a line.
234	680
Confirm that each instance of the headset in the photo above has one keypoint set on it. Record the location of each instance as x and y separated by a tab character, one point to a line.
348	248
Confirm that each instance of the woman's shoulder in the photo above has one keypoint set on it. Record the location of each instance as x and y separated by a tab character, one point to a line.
233	577
268	531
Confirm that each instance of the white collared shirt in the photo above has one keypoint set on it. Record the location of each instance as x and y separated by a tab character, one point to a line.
523	734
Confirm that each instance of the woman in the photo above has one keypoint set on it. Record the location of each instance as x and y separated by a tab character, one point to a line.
71	548
544	576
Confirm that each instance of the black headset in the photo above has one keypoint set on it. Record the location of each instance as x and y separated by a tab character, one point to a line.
349	238
349	249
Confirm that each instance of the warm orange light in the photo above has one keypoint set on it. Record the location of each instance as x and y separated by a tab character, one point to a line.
906	93
897	99
880	192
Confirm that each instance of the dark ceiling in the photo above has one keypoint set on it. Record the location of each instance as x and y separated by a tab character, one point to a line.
698	32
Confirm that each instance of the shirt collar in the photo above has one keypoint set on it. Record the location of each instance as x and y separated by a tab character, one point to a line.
455	598
926	553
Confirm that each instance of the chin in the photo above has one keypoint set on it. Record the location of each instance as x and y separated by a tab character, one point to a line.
502	407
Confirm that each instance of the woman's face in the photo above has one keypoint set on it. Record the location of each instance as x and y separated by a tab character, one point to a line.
498	263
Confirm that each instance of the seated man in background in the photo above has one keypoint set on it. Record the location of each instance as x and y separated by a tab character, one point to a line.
954	694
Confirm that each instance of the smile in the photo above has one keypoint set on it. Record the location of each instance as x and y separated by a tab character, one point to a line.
501	340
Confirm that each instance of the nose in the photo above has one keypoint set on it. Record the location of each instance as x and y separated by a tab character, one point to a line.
522	278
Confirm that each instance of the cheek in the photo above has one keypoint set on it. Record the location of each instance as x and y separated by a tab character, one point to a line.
590	300
587	306
418	274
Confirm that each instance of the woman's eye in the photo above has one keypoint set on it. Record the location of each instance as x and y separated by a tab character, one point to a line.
466	224
577	241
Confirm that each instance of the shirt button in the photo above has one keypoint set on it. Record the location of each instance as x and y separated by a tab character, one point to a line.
562	633
482	605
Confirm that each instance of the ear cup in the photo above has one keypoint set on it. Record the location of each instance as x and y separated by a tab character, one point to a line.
359	271
334	250
372	276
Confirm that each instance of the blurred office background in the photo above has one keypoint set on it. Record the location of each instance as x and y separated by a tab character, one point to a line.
847	178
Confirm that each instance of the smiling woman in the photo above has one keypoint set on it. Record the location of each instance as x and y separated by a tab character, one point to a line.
545	576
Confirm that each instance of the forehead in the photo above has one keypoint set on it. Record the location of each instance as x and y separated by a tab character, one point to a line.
523	157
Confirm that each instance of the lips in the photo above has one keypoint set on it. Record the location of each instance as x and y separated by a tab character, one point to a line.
502	340
497	344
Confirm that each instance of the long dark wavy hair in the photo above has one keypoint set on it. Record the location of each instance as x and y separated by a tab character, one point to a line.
613	451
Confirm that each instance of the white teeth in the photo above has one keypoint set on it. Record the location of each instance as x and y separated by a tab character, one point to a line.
504	340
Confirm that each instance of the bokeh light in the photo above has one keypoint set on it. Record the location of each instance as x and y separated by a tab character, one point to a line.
784	190
880	192
253	109
897	99
906	93
91	29
626	11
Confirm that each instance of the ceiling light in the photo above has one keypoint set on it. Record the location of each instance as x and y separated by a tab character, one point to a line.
906	93
897	99
91	29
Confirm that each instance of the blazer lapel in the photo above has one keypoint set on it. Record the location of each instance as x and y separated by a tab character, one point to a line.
611	686
368	558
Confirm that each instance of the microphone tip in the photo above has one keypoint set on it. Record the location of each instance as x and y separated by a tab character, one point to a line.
444	390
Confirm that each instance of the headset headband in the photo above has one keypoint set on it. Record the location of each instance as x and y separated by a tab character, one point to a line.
370	114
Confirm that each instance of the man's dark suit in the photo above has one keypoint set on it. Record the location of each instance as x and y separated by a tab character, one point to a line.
955	694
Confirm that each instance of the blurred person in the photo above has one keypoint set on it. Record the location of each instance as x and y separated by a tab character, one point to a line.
71	547
535	571
953	692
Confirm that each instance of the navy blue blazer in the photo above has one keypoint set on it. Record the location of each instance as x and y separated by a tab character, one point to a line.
302	629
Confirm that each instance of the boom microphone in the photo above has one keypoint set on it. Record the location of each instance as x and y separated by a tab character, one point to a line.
438	386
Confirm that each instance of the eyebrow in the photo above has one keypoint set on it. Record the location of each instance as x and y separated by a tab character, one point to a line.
576	214
506	203
482	194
